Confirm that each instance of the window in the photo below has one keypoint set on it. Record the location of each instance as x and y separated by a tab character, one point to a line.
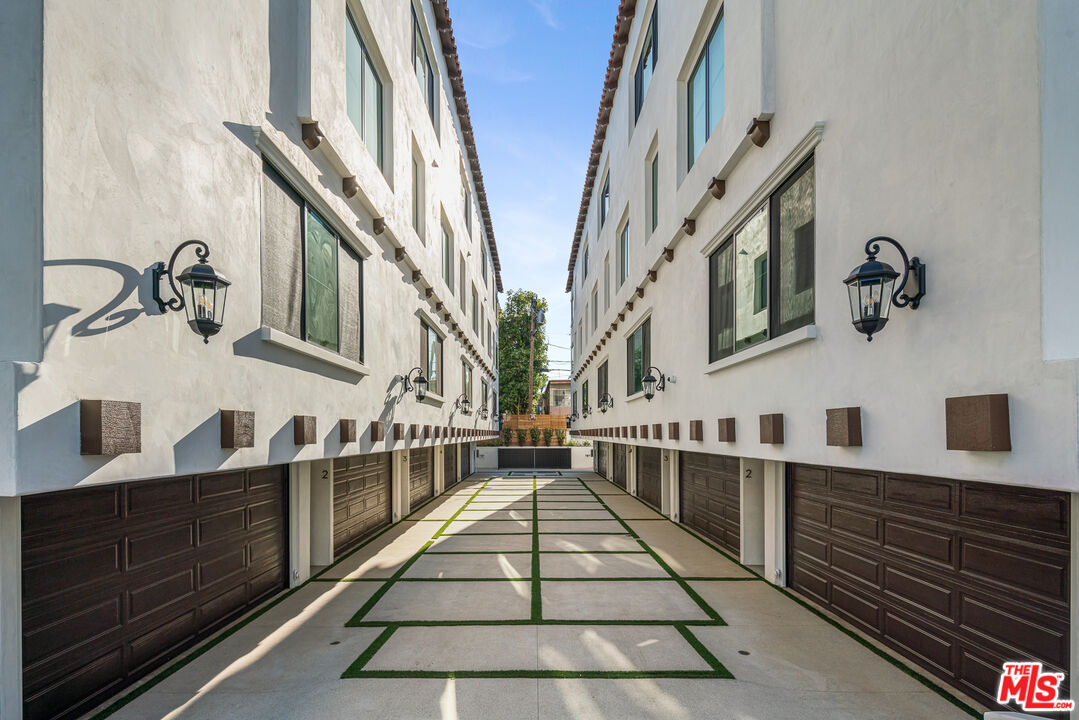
706	92
475	311
421	64
595	310
638	356
419	209
574	408
642	76
587	332
606	283
363	91
483	324
584	395
623	254
605	199
483	262
468	209
761	279
484	388
653	192
431	357
312	281
584	267
447	256
461	276
466	381
601	380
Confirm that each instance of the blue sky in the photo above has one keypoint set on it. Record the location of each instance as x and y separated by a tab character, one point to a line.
533	71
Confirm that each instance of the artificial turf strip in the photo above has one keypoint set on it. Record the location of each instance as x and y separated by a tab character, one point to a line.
541	674
884	655
385	588
366	655
524	621
537	598
704	652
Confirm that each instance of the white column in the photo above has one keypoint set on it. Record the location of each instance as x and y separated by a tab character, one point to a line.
321	528
631	470
669	483
399	469
775	522
10	608
751	511
299	520
439	469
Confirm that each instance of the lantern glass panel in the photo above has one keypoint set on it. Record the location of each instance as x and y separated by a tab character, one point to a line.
421	387
649	384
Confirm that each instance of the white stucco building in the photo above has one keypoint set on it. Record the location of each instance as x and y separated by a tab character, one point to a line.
152	486
921	487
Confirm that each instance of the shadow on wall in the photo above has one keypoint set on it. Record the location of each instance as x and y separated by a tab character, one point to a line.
283	447
251	345
132	281
50	437
200	450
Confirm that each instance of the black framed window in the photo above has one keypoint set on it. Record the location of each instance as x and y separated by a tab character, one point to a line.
642	76
761	279
605	199
447	256
421	65
706	88
431	357
654	187
638	356
584	394
312	280
601	380
363	90
466	381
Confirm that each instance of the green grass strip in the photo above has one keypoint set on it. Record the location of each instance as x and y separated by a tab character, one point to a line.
608	509
385	588
704	652
374	647
526	621
537	597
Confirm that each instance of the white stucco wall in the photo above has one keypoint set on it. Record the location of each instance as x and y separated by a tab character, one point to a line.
149	137
931	134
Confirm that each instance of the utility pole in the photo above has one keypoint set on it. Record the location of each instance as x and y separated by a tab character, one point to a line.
534	315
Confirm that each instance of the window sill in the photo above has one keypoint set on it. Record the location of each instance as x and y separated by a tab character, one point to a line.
795	337
286	341
635	396
432	399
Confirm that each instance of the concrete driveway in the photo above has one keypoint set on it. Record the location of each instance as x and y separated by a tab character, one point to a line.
550	597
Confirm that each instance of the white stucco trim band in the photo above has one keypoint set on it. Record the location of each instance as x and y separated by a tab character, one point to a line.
793	159
794	337
296	345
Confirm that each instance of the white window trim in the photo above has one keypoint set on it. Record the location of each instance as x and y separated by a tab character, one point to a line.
302	347
782	342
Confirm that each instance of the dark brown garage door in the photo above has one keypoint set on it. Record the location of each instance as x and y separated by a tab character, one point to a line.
619	465
649	476
449	465
361	498
602	451
421	476
957	576
464	452
709	496
119	579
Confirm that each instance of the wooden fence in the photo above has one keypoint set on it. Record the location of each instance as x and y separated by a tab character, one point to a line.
525	422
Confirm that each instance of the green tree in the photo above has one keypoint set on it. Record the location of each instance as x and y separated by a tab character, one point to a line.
514	323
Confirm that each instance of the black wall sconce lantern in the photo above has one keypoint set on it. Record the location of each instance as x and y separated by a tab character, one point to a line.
201	293
606	402
650	383
419	383
464	404
870	287
585	410
483	413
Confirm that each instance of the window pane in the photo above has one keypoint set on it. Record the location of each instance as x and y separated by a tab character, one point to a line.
354	68
372	111
795	249
721	303
697	123
715	78
434	361
282	254
623	259
349	271
655	191
321	308
415	195
751	278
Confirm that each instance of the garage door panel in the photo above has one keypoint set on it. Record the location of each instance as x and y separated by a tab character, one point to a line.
1046	511
152	644
216	487
710	496
1033	570
222	525
649	476
923	493
921	641
150	597
958	593
143	498
920	593
153	546
923	543
850	483
95	680
60	629
863	525
47	573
